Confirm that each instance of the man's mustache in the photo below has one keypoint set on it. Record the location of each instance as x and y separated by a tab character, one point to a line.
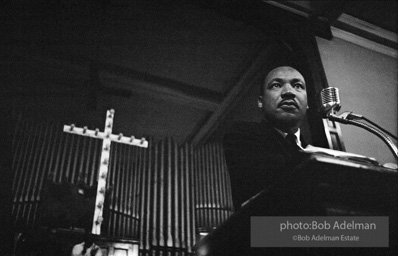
288	102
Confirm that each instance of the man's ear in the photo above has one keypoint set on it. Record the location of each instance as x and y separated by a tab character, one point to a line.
260	102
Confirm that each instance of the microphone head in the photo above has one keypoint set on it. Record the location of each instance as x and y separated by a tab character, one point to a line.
330	101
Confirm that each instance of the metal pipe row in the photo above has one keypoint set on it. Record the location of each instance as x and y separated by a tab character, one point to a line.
162	195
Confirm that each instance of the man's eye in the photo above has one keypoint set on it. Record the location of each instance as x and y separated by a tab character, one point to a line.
298	85
275	85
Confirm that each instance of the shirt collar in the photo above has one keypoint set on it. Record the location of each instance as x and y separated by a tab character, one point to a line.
284	134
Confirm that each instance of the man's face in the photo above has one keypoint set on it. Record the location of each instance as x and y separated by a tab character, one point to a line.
284	99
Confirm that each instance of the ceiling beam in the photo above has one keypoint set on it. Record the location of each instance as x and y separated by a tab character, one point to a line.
237	92
160	87
117	77
344	26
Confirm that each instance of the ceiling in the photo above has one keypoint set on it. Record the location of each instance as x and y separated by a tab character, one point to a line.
380	13
168	68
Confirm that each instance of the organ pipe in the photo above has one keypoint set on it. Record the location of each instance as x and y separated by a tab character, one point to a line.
162	195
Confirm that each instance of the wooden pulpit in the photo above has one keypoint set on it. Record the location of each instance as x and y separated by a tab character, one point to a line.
320	186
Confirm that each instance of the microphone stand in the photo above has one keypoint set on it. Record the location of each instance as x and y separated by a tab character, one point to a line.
349	118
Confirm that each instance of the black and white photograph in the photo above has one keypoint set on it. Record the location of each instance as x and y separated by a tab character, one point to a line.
199	128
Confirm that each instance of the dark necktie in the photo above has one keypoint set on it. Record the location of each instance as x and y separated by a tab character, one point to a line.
291	138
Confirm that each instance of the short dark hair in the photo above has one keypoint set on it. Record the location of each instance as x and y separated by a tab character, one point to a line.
262	86
284	55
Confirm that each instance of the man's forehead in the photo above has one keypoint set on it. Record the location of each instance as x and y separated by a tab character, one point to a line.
284	72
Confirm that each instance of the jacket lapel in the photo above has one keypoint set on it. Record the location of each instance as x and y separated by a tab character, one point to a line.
272	134
265	128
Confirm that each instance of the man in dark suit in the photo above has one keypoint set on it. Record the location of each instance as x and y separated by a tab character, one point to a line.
259	155
264	164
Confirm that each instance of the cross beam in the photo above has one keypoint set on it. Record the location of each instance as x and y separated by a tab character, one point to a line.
107	138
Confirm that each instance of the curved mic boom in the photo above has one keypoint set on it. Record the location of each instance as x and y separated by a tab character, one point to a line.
331	105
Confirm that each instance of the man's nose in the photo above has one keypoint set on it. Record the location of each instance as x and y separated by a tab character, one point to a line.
287	91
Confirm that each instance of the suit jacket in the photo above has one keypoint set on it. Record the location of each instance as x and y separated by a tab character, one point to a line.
257	157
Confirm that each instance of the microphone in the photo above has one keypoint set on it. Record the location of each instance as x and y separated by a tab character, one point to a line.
330	101
331	105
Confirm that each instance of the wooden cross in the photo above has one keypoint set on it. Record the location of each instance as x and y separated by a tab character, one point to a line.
107	137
